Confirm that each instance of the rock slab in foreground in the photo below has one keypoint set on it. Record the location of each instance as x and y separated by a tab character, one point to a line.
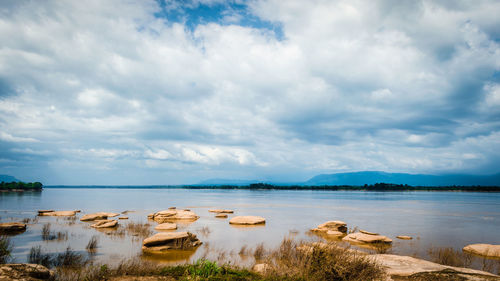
487	250
408	268
173	215
12	227
27	272
98	216
247	220
165	241
359	237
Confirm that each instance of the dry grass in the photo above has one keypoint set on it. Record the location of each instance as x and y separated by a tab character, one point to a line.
450	256
300	261
92	245
204	231
47	234
243	250
66	259
139	229
259	252
5	249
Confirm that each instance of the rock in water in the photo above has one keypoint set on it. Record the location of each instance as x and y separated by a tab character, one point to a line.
26	272
98	216
12	227
221	216
338	226
247	220
404	237
165	241
362	238
368	232
220	211
487	250
105	224
56	213
166	226
173	215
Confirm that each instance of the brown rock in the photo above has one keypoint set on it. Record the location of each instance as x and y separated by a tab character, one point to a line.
172	208
174	215
12	227
44	211
25	272
334	233
404	237
339	226
166	226
105	224
408	268
487	250
220	211
57	213
366	238
261	268
221	216
368	232
165	241
98	216
247	220
123	218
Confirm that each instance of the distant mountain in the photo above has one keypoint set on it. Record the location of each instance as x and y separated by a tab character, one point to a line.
372	177
7	178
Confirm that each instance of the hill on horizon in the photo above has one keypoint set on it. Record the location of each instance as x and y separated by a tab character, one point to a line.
7	178
372	177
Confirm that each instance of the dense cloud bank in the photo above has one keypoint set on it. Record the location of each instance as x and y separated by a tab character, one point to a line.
147	92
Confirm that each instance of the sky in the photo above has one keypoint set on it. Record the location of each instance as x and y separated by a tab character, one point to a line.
176	92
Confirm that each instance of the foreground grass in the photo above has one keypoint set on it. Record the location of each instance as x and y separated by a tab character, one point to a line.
291	261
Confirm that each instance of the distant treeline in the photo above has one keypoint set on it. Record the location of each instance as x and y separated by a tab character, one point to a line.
21	185
366	187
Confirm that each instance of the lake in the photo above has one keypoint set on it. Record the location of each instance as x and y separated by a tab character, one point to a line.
433	219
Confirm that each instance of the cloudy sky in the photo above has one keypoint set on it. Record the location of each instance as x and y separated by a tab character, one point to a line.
167	92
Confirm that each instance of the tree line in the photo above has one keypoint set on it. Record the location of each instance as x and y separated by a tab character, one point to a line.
21	185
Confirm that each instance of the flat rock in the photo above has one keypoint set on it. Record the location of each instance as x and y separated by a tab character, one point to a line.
166	226
220	211
98	216
247	220
339	226
368	232
487	250
26	272
404	268
123	218
359	237
165	241
221	216
12	227
174	215
105	224
404	237
57	213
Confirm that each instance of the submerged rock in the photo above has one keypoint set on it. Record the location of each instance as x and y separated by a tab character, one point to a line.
26	272
404	237
247	220
368	232
165	241
408	268
220	211
362	238
173	215
105	224
98	216
166	226
56	213
338	226
12	227
487	250
221	216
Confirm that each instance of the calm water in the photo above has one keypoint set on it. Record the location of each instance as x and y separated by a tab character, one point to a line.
442	219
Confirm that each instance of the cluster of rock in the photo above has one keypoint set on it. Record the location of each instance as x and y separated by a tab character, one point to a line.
173	215
165	241
12	227
247	220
